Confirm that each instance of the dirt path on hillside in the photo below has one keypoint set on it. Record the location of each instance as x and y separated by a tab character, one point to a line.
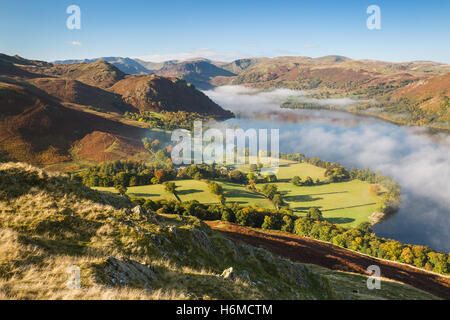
327	255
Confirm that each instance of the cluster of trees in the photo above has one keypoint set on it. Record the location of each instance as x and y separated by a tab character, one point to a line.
151	145
253	178
415	114
171	187
217	189
337	174
297	181
363	240
382	88
313	225
123	173
270	191
168	120
204	171
246	216
188	208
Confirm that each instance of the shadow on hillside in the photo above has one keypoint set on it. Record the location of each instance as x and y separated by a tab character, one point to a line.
188	191
68	235
242	194
339	220
323	193
305	209
301	198
349	207
285	165
144	194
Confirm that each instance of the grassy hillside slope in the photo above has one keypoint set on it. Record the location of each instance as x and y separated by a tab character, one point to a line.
37	128
48	223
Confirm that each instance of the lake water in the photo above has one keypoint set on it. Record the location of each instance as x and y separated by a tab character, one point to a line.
414	157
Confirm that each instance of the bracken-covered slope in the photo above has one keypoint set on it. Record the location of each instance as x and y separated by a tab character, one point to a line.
158	93
141	91
335	73
411	92
53	113
427	100
100	73
36	128
74	91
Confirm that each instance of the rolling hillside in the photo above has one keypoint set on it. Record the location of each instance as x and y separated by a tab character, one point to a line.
239	65
100	73
74	91
38	129
427	100
47	111
408	93
157	93
335	73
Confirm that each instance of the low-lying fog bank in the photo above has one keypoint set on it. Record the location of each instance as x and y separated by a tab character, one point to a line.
417	160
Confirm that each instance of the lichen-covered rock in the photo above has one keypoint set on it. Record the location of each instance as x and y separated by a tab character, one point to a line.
126	272
244	275
202	239
138	210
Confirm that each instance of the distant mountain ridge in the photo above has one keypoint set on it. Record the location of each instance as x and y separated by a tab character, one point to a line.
198	72
388	85
126	65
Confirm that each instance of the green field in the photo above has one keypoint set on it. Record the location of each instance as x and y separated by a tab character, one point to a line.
187	190
345	203
288	169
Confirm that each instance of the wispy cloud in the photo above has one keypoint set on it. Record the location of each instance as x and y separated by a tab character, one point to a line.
195	53
286	52
310	45
75	43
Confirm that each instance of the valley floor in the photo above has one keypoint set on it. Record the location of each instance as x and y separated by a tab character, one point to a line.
345	203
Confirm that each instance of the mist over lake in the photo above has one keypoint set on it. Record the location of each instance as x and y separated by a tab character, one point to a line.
414	157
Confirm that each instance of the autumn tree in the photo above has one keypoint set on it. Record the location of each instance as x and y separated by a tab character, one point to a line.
121	189
296	181
315	214
269	223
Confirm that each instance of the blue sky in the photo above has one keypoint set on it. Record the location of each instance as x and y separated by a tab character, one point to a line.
225	30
